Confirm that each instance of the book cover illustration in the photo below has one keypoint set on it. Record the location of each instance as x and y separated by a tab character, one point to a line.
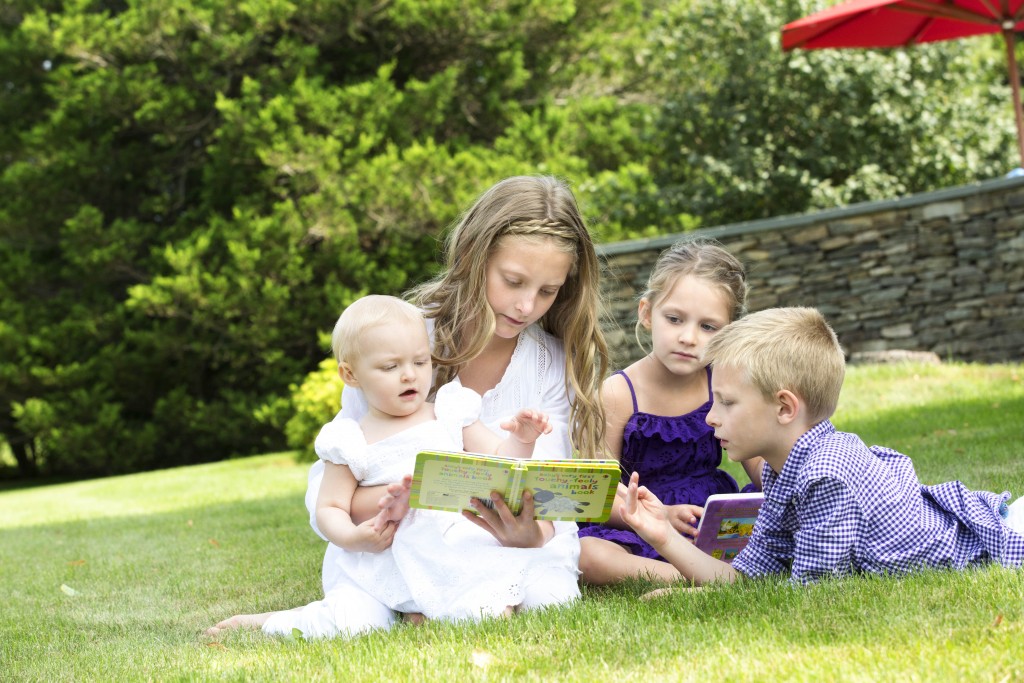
727	524
575	490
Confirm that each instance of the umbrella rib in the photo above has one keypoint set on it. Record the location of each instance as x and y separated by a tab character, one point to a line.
919	31
944	11
1003	11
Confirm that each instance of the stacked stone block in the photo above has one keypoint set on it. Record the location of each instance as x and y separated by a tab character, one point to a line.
940	272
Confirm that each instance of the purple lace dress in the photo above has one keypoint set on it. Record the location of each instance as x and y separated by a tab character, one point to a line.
677	458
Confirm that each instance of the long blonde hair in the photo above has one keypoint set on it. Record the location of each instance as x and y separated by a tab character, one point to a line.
532	208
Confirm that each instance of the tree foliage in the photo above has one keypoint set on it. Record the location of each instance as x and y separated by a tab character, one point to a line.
192	190
746	131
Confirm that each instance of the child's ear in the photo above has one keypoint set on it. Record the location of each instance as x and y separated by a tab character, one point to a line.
788	406
347	376
643	313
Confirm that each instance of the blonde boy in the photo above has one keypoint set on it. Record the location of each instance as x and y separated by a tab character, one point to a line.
832	505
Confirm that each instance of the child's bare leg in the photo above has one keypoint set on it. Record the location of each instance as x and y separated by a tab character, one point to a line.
253	621
394	505
603	562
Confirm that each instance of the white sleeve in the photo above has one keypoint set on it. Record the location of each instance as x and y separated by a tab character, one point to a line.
341	442
456	407
316	475
457	404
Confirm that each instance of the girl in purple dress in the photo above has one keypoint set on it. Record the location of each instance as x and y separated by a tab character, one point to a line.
655	408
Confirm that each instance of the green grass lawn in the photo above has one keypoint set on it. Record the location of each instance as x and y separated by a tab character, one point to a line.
115	579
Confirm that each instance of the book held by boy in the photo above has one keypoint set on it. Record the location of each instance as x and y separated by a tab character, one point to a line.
575	490
727	523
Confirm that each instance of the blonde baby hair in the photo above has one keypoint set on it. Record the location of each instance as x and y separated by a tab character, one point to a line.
785	348
536	210
361	314
704	259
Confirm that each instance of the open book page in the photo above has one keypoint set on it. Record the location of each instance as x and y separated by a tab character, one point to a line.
446	480
577	490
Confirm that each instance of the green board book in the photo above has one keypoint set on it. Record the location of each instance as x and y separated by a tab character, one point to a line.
575	490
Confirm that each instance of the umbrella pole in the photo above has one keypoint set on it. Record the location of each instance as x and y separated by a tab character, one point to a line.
1011	59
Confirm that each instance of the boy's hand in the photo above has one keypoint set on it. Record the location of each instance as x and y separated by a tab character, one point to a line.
394	504
684	518
365	538
528	425
645	513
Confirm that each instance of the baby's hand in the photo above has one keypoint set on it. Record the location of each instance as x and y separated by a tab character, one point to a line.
528	425
394	504
366	538
684	518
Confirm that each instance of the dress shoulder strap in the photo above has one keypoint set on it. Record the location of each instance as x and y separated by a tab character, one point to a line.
632	392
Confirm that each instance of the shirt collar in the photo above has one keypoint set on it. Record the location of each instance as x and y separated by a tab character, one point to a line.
782	487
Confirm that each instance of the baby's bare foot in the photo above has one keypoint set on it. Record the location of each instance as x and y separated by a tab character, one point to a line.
414	618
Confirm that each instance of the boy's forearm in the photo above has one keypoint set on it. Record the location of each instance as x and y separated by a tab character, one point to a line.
693	563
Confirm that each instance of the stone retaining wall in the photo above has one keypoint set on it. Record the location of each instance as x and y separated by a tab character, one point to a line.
941	272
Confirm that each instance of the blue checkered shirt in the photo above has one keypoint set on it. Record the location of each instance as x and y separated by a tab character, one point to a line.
839	507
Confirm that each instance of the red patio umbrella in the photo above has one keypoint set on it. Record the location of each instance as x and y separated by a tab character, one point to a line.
899	23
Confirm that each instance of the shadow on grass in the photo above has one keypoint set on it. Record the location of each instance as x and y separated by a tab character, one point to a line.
11	479
978	441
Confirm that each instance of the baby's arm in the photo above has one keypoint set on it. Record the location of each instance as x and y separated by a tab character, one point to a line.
524	430
650	518
333	514
366	502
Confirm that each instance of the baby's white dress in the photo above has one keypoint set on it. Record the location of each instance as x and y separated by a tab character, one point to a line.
534	378
439	564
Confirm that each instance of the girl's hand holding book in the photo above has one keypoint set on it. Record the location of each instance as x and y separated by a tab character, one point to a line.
512	531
